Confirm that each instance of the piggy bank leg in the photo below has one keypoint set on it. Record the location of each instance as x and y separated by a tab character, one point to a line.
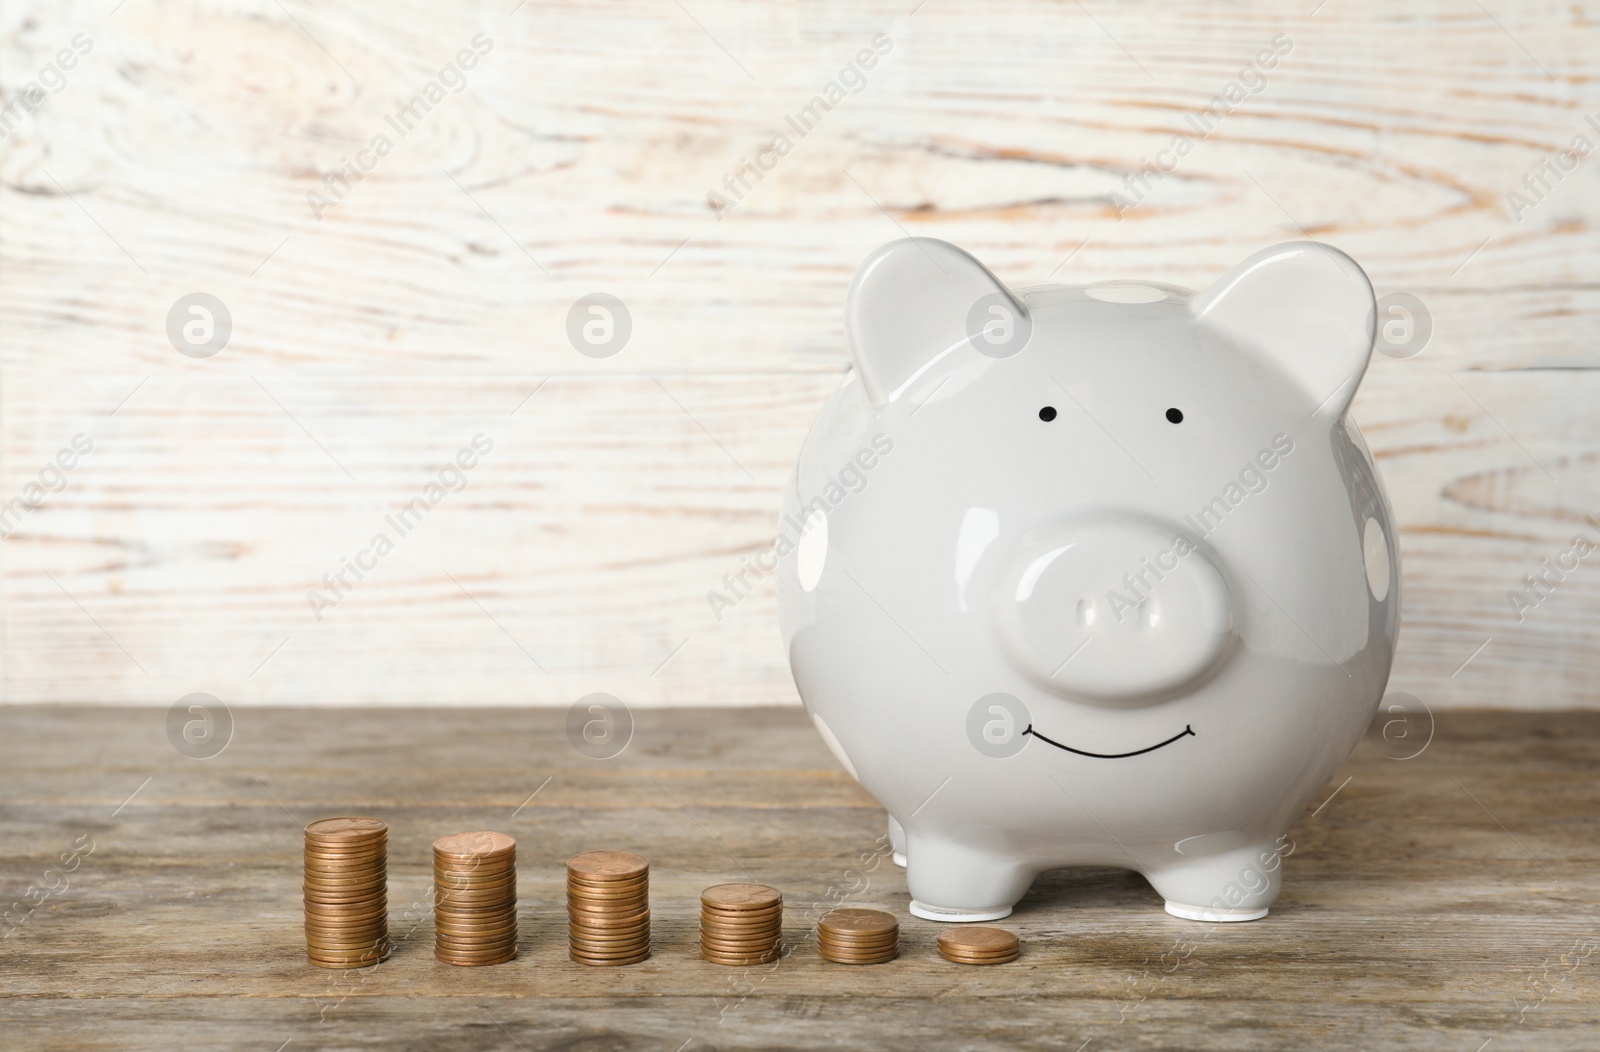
954	882
897	841
1236	885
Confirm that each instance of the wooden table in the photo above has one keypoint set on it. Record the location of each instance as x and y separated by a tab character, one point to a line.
1446	901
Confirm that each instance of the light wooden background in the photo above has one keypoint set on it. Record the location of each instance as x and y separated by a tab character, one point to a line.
426	307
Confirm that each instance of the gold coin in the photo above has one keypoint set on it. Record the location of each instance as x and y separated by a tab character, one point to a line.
607	866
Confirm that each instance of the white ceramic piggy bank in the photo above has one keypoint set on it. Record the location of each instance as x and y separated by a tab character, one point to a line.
1092	575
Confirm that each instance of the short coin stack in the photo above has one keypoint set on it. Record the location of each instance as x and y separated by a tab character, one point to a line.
608	907
740	924
347	907
978	945
475	898
854	936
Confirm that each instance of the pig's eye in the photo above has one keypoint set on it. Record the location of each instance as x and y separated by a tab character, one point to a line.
1048	413
1175	415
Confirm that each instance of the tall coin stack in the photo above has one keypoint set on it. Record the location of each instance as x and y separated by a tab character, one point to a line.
347	906
608	907
858	936
740	924
475	898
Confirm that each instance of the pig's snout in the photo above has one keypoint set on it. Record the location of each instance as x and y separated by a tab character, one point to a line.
1117	610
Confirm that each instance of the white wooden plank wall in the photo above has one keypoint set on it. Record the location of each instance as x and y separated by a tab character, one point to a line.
372	343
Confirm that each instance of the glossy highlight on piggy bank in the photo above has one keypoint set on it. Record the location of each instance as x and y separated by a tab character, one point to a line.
1126	592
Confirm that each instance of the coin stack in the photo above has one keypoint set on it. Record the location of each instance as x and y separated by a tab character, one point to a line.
475	898
740	924
608	907
858	936
978	945
347	907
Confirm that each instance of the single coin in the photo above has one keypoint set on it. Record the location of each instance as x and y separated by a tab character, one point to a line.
863	943
750	916
345	962
980	939
859	921
344	883
739	960
474	845
445	922
764	919
604	898
462	940
347	942
469	908
741	932
336	830
607	938
741	897
603	962
348	853
607	865
332	922
588	894
475	900
342	896
633	911
336	902
708	910
473	962
621	891
737	948
473	946
466	883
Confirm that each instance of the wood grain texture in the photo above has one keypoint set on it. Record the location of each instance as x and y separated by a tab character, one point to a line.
1438	902
375	339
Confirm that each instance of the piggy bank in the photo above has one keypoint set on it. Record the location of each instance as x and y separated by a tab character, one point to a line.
1095	575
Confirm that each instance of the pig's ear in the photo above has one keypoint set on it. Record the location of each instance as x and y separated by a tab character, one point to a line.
1305	306
910	303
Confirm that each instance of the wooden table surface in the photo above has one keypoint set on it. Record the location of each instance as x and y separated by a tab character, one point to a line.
1443	901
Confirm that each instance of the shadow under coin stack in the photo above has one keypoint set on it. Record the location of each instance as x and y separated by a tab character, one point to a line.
980	945
858	936
608	907
347	905
475	898
740	924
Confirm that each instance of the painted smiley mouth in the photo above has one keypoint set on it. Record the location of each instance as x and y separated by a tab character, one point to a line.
1188	732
